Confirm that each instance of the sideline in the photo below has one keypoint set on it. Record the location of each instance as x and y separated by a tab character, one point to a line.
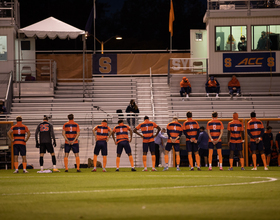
267	180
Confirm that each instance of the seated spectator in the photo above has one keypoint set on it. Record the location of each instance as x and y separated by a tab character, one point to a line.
131	108
212	86
185	87
234	86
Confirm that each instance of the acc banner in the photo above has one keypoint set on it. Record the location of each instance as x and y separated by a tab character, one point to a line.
249	62
104	64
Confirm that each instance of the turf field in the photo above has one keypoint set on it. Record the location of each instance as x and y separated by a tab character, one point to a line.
141	195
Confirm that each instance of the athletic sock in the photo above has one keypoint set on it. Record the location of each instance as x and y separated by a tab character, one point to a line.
264	160
104	161
24	165
42	168
166	159
242	162
41	161
66	163
78	162
154	161
94	160
16	165
197	159
131	161
267	160
118	162
254	158
53	160
210	164
144	158
231	162
210	157
178	160
190	160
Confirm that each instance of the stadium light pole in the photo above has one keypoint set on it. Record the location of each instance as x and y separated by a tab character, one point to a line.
104	42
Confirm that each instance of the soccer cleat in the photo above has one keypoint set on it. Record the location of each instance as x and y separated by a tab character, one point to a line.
210	168
221	169
145	169
66	171
154	169
230	169
192	169
79	171
198	169
178	169
242	168
55	170
133	169
255	168
104	170
165	169
16	171
265	168
117	170
93	170
25	171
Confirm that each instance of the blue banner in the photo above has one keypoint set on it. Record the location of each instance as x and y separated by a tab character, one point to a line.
104	64
249	62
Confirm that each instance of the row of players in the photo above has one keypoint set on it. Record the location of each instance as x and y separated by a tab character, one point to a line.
122	136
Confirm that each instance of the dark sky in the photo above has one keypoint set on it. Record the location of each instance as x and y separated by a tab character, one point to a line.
143	24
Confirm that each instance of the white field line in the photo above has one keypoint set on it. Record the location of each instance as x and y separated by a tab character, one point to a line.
267	179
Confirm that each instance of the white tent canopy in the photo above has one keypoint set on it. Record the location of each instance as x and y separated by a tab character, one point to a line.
52	28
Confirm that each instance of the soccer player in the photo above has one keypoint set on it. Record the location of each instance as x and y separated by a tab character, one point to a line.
46	134
277	143
235	139
255	130
19	135
174	132
191	131
202	142
71	132
102	134
215	132
147	128
268	143
122	142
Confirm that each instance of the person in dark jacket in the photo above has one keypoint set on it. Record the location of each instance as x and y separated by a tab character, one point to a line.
203	145
131	108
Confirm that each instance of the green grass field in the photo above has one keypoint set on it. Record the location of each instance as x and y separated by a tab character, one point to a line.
141	195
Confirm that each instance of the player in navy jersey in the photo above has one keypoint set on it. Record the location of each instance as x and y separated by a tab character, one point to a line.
268	143
46	135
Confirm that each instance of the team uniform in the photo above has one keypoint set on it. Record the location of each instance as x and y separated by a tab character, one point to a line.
147	128
71	130
215	128
174	130
191	131
255	130
122	142
268	143
235	127
102	133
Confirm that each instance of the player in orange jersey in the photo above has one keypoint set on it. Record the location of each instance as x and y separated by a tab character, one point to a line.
191	131
102	134
147	128
235	140
71	133
122	141
17	134
255	130
174	132
215	132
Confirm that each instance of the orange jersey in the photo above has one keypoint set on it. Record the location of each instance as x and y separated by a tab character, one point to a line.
185	83
234	83
255	129
19	131
147	128
71	129
191	129
212	83
235	127
102	131
174	129
215	126
121	131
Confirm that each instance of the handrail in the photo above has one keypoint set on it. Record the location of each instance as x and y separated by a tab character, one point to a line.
152	95
9	85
